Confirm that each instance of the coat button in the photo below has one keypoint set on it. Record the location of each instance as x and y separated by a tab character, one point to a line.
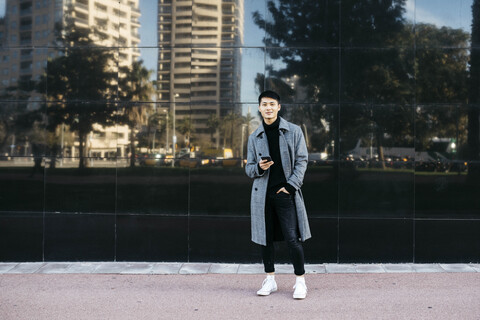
260	154
256	189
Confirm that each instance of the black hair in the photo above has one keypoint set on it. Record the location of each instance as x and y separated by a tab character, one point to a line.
268	94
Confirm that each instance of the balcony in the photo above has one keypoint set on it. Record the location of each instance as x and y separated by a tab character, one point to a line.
25	12
81	6
26	27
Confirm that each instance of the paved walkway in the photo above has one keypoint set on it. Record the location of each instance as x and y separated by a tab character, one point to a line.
221	268
121	290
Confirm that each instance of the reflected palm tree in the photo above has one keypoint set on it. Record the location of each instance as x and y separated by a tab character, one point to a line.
136	90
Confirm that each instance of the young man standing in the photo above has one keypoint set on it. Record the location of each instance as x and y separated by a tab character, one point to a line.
277	159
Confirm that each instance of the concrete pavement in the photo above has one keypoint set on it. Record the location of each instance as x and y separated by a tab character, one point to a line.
227	291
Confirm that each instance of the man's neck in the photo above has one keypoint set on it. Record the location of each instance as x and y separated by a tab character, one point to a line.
270	121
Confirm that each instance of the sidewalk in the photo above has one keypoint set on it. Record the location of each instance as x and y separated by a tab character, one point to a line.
227	291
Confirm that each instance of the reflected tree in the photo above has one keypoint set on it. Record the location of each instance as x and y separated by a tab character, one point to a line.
79	85
230	121
185	127
213	122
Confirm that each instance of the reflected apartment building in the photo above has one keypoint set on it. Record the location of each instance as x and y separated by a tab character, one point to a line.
27	39
199	61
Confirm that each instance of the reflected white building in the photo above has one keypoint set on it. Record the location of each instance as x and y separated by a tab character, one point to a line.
28	32
199	59
27	41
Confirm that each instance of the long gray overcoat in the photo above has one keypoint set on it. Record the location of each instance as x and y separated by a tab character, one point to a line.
294	154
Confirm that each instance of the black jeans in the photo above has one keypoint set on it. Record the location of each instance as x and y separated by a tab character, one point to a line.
281	206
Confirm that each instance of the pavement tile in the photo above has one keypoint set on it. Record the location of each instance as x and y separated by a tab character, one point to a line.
112	267
194	268
457	267
55	267
340	268
475	267
398	268
283	269
251	269
315	268
369	268
28	267
6	266
166	268
223	268
427	268
138	268
83	267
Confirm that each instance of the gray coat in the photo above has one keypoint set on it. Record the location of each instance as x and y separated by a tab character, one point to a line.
294	154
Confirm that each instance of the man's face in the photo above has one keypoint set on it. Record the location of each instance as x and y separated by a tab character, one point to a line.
269	109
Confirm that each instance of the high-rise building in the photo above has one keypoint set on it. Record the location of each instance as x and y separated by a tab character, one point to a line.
27	34
199	59
28	39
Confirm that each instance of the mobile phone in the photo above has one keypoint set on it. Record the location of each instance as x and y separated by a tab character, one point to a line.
268	158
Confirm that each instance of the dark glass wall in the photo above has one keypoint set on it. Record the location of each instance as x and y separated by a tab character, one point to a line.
124	126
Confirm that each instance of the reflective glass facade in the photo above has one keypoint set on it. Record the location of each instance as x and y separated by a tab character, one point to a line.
124	125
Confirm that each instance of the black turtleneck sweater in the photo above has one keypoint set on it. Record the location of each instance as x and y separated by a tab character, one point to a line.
276	178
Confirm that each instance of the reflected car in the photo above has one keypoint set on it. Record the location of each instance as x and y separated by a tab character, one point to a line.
152	160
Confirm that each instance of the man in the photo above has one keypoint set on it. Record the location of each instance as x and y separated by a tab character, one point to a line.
277	159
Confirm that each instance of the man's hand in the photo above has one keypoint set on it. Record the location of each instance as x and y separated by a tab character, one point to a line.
283	190
265	164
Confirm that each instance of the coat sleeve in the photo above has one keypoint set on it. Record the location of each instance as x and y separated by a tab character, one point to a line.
251	168
300	160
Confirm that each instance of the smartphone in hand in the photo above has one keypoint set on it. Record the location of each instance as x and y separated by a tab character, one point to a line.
268	158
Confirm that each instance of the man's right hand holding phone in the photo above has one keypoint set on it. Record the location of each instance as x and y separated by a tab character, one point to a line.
265	163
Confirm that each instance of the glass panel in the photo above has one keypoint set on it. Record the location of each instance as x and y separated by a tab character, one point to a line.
253	33
79	237
137	75
69	189
154	182
23	148
301	23
252	75
303	74
377	76
319	124
376	169
144	16
83	130
377	24
442	23
83	74
445	166
217	163
442	75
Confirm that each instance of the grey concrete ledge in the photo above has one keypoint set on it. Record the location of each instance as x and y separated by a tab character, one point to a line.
221	268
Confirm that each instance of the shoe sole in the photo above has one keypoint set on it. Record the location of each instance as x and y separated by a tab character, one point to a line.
299	297
263	294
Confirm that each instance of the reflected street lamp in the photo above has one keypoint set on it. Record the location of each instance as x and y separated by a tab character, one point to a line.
174	137
166	128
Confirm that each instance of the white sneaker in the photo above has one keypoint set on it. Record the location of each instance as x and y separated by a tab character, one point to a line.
268	286
300	289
